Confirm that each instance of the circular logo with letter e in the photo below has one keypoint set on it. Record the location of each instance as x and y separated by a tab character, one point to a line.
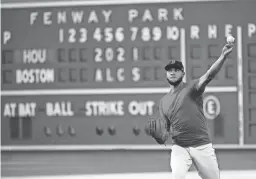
211	107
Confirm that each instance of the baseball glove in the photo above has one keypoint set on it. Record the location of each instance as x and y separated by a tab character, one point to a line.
158	129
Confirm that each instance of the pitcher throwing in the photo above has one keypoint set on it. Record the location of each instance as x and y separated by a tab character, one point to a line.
182	118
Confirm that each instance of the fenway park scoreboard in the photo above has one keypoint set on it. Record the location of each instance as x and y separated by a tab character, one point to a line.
89	73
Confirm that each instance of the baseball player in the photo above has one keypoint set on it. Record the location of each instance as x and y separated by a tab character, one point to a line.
182	118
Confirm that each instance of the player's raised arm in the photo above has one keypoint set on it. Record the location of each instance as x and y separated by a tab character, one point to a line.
215	68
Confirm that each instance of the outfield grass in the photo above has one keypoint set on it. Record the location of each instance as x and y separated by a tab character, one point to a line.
250	174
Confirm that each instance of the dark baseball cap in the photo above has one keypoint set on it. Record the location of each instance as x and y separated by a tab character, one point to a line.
174	64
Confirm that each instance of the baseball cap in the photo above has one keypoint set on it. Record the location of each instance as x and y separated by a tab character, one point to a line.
174	64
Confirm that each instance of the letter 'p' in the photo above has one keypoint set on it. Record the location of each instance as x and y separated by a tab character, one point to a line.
6	37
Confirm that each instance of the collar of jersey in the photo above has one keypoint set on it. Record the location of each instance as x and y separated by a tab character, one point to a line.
180	86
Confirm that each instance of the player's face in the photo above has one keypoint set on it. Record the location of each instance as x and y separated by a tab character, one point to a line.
174	76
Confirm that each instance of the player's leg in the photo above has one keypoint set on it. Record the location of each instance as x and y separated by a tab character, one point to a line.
205	161
180	162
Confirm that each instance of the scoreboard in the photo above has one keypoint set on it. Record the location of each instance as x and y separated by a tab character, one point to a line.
89	74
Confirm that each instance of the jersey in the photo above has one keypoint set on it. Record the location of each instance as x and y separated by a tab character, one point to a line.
183	109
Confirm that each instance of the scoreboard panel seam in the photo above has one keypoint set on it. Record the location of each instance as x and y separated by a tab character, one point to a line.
240	85
107	91
110	147
103	2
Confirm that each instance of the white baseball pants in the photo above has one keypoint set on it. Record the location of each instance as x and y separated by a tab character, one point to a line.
203	157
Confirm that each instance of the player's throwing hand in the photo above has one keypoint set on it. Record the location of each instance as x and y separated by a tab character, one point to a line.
227	49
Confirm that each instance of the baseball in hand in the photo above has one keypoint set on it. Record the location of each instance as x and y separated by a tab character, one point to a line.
230	39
